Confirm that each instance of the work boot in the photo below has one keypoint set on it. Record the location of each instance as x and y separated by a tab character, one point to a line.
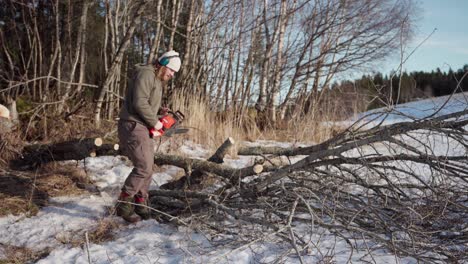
141	207
124	208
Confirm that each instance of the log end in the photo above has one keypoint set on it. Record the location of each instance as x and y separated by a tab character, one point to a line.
231	140
98	142
258	168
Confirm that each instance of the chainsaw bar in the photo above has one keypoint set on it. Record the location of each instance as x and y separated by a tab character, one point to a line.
173	131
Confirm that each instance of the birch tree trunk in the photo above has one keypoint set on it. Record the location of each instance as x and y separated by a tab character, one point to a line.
76	56
261	101
157	36
186	61
175	21
282	20
263	97
57	45
83	52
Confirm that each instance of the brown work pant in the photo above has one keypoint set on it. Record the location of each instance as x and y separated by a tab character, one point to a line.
138	147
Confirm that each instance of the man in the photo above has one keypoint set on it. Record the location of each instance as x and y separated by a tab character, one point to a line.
137	117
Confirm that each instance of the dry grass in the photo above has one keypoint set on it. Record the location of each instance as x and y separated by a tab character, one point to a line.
210	128
19	255
206	127
47	126
104	231
10	144
70	171
16	205
57	179
26	192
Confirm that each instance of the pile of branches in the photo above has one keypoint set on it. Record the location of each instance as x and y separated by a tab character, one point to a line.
393	185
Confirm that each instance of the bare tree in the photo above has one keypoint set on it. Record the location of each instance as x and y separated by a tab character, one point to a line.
111	74
279	56
158	33
273	98
79	54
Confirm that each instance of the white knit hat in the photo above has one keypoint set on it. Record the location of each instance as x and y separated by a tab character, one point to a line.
171	60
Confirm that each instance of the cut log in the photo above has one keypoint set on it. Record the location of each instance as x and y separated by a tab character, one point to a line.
35	155
257	168
196	176
218	157
107	150
207	166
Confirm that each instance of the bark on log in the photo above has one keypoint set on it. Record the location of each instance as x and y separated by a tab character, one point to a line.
193	165
206	166
259	150
218	156
197	176
35	155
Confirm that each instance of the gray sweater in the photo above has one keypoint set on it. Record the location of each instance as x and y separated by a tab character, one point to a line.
143	97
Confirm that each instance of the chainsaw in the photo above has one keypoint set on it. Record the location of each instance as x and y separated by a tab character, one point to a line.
170	125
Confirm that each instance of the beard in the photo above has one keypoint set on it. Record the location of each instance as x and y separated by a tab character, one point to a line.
165	78
161	76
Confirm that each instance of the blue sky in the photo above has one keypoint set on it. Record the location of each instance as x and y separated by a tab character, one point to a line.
448	45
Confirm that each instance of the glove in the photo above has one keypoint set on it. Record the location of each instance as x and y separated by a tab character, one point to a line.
157	130
164	123
158	125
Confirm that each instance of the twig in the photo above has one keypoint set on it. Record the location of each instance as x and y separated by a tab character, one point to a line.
87	247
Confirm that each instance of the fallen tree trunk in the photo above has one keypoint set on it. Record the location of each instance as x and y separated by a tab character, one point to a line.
358	138
197	176
106	150
349	140
189	165
35	155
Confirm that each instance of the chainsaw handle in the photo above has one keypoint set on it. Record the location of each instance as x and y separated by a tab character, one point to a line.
177	115
163	111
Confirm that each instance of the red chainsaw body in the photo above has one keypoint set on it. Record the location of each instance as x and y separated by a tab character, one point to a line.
167	121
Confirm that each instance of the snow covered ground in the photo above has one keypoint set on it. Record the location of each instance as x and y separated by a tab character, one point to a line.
437	106
68	219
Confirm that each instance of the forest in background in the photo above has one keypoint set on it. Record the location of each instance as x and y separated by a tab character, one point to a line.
254	62
379	90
